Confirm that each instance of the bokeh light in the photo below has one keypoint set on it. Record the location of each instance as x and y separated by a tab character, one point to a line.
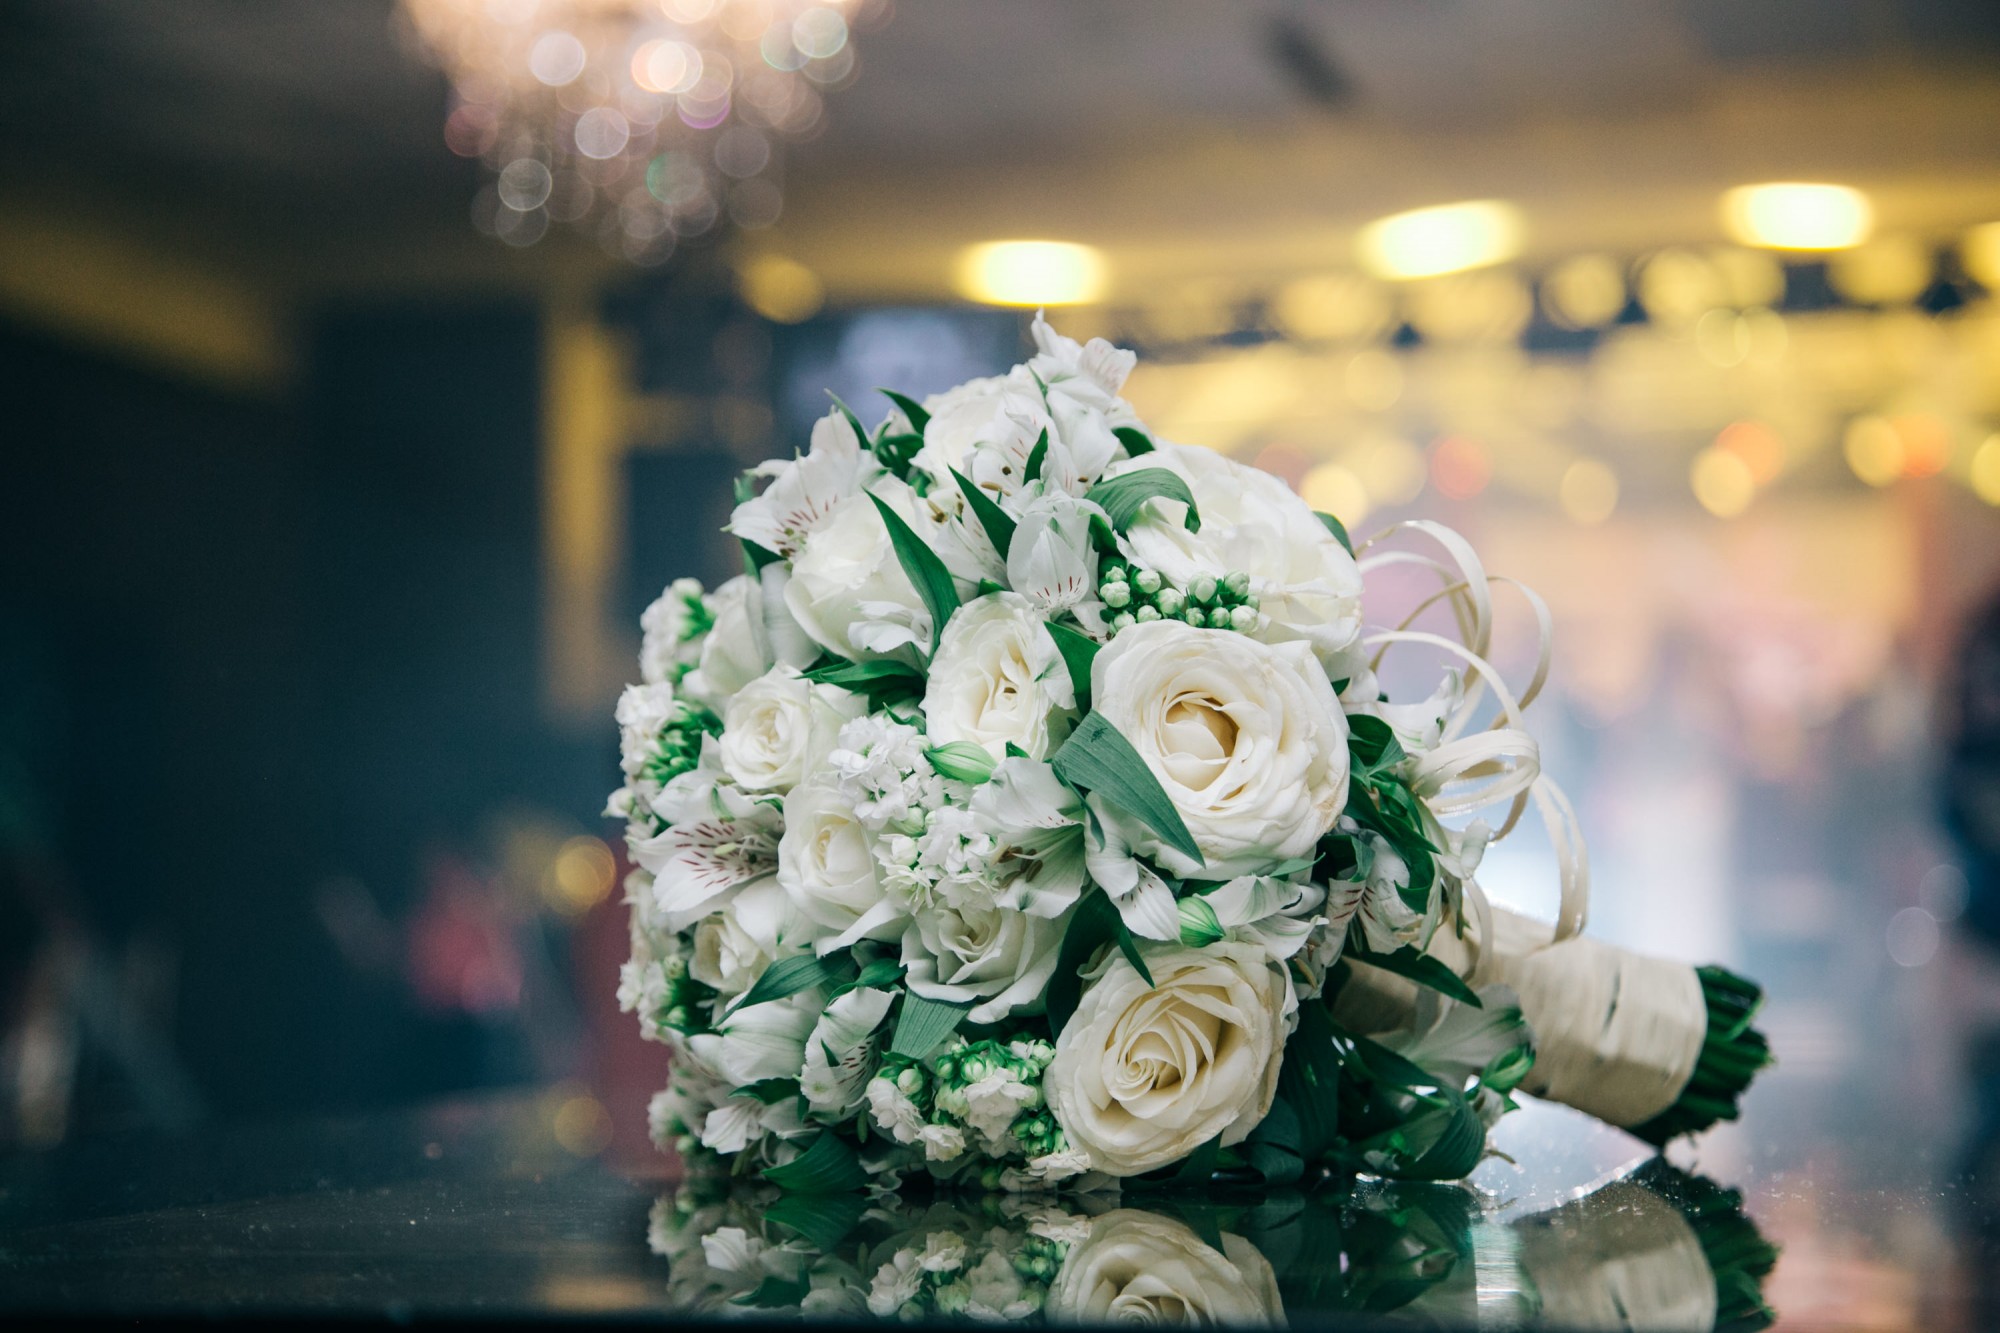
781	290
1794	215
1584	292
1588	492
1460	467
1026	273
1446	238
1984	474
1873	449
1334	489
1760	448
1722	482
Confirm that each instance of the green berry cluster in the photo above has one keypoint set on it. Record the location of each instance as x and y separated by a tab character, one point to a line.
679	747
942	1093
1136	594
687	1003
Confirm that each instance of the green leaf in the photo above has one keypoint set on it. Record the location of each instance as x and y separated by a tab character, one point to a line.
881	973
823	1220
1418	966
1123	497
1096	758
1130	948
1338	529
1199	925
1078	651
1372	743
774	1293
962	761
1016	752
1039	454
925	571
925	1025
911	409
1199	1166
827	1166
755	557
860	435
1093	925
769	1091
1309	1080
788	976
1380	1065
1135	441
883	680
995	520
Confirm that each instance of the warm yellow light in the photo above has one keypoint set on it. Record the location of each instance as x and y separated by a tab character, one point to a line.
1586	292
581	876
780	289
1985	477
1448	238
1874	450
1981	252
1722	482
1333	489
1589	491
1031	273
1790	215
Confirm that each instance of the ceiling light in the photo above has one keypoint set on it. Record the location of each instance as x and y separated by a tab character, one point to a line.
1031	273
1793	216
1427	242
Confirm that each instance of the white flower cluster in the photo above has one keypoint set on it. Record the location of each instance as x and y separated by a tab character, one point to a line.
998	822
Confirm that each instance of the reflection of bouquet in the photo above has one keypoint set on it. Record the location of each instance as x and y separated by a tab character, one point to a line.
1655	1250
1032	807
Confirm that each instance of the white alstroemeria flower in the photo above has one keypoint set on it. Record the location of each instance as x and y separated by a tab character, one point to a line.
999	958
1144	900
672	628
1092	373
1419	727
848	590
1454	1040
732	948
985	430
1387	922
997	679
896	1284
1052	560
1036	824
760	1041
826	864
708	850
1276	914
786	639
1308	586
840	1051
780	727
805	491
1246	739
740	1121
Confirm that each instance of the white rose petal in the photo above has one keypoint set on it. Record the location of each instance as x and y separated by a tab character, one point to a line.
1140	1267
780	727
1308	586
1000	958
997	678
736	650
733	947
826	865
1246	739
848	590
1143	1075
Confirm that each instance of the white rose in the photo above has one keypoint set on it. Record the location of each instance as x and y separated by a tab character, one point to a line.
733	947
848	590
1002	958
737	648
1307	584
1143	1075
1246	739
780	728
1139	1267
997	677
827	867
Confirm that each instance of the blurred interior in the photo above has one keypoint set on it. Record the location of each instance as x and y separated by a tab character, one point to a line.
334	484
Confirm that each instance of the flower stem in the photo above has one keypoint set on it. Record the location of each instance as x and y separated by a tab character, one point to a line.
1732	1054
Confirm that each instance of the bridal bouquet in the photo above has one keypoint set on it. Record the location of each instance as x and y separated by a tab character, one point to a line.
1033	807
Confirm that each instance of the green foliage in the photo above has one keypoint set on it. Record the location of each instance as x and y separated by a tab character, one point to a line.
961	761
1096	758
1414	964
827	1166
921	565
884	681
1338	529
1136	441
1078	651
924	1025
823	1221
910	407
1038	455
999	527
1123	498
1094	924
789	976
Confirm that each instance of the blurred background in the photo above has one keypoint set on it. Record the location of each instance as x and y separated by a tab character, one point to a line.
365	369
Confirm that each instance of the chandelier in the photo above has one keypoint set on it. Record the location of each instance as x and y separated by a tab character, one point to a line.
641	121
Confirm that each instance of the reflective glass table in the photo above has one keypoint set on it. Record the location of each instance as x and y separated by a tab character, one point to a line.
512	1207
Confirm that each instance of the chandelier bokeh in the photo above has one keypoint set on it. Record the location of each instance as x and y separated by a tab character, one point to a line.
643	122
